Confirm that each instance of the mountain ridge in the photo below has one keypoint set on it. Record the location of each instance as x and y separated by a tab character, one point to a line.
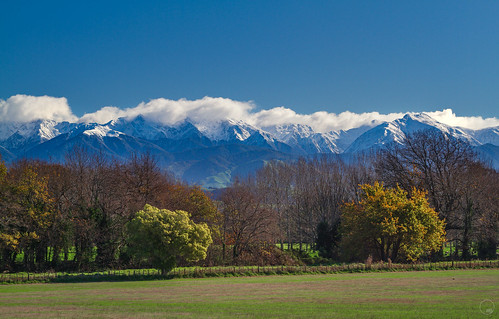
203	152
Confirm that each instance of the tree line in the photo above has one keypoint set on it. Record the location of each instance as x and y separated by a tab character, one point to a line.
304	203
74	215
431	188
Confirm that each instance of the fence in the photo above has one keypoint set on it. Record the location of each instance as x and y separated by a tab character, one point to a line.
148	274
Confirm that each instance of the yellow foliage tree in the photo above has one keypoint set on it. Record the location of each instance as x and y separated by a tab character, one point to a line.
9	234
389	224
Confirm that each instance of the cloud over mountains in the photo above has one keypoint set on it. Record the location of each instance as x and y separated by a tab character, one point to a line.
25	108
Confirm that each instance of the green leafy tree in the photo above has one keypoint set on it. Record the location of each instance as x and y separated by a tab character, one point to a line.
388	224
160	236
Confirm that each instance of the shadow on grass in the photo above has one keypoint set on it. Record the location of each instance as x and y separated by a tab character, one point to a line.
145	275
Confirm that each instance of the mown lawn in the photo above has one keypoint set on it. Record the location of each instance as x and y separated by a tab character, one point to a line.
432	294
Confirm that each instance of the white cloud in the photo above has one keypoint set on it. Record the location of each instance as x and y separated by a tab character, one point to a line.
448	117
324	121
104	115
210	109
26	108
213	109
172	111
320	121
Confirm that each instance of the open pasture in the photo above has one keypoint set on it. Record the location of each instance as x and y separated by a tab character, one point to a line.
425	294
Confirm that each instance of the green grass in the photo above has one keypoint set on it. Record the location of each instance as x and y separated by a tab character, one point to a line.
70	257
444	294
287	246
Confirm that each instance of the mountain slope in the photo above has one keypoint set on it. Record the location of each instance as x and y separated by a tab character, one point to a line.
213	153
303	139
397	130
488	135
489	153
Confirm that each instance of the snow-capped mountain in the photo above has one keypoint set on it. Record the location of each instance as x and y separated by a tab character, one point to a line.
397	130
303	138
212	153
42	129
345	138
231	131
19	137
488	135
138	127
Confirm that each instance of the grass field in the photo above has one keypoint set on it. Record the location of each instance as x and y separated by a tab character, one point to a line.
425	294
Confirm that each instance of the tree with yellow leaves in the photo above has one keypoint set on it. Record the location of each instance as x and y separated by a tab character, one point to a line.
387	223
25	214
9	236
34	213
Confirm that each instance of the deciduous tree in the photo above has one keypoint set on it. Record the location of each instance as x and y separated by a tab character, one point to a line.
389	224
460	187
247	219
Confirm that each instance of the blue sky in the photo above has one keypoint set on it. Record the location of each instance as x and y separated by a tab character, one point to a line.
334	56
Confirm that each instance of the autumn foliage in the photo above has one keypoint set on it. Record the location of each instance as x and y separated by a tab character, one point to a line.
73	216
389	223
433	189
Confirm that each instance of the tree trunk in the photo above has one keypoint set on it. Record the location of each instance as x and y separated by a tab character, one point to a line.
467	231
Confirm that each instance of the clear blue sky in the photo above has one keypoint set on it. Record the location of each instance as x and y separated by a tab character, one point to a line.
386	56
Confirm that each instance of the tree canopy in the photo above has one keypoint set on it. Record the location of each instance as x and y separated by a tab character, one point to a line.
26	213
161	235
389	224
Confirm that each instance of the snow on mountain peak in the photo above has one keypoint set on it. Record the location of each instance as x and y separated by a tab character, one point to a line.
287	132
48	130
421	117
42	130
412	122
295	138
102	131
226	130
397	131
305	138
137	127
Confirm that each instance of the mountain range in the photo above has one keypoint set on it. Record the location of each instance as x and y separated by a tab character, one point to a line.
212	153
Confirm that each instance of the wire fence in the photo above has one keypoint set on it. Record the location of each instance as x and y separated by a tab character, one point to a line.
199	272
